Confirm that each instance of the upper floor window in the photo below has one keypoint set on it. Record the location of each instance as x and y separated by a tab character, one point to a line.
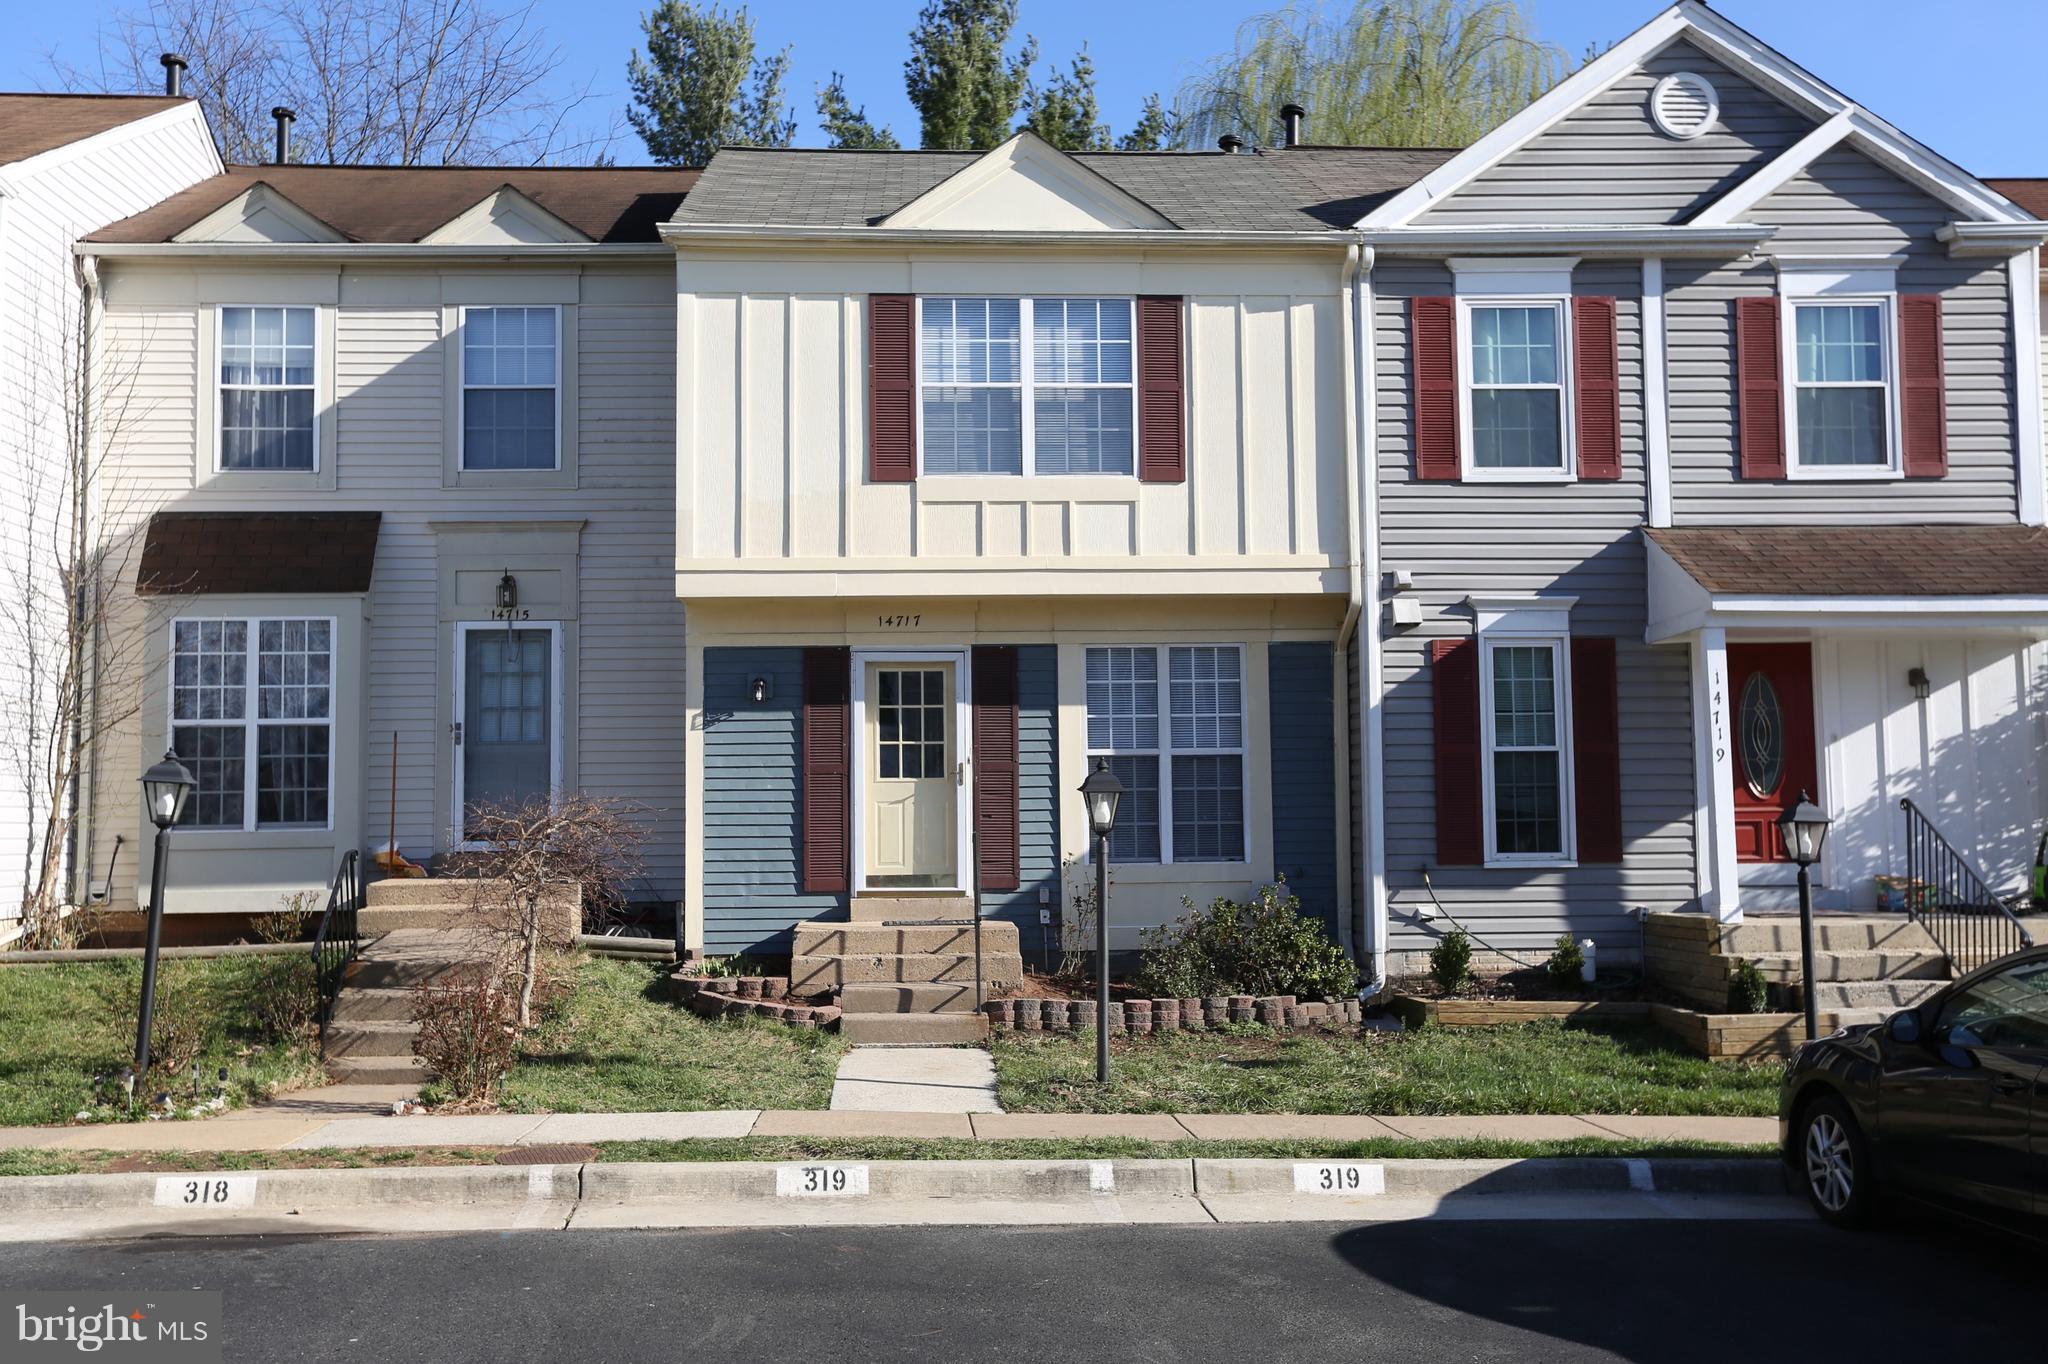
1178	748
267	389
510	386
992	404
1842	381
252	718
1515	357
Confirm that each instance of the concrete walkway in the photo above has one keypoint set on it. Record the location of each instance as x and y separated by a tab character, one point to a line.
253	1133
916	1080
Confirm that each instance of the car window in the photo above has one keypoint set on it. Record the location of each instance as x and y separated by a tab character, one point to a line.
2009	1009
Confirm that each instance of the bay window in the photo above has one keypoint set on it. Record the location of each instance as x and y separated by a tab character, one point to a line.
252	719
1177	747
1026	385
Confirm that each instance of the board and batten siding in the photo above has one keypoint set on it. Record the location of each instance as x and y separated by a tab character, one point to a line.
391	414
1579	539
1845	205
1607	161
1301	685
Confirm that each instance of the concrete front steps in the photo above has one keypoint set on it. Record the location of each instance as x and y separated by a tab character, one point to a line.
903	974
930	1014
445	902
1866	966
370	1033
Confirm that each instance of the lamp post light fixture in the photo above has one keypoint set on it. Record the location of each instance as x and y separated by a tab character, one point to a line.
166	787
1805	828
1101	793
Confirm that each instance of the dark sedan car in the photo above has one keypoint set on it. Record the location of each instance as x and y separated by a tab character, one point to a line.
1945	1104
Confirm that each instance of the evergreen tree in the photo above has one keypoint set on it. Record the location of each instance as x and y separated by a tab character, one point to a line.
700	86
964	88
1064	112
1151	133
848	126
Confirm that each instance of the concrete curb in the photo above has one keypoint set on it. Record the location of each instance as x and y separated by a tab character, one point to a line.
411	1186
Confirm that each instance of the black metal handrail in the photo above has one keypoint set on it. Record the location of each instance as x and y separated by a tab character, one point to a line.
1946	897
339	938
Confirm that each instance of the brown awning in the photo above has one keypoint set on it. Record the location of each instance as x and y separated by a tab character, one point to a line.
1861	561
187	553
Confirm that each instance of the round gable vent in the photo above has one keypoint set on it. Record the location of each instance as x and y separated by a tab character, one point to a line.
1684	104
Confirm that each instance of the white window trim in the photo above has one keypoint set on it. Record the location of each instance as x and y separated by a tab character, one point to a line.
1568	468
463	629
217	387
251	722
1163	753
1845	283
1521	622
1027	384
463	386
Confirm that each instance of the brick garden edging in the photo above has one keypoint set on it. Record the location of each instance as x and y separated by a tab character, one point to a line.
748	996
1170	1015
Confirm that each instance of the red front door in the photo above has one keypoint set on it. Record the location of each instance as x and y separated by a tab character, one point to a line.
1773	733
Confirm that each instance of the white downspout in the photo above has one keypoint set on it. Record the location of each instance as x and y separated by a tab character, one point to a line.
1366	586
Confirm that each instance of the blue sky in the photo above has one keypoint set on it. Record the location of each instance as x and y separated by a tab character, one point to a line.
1966	84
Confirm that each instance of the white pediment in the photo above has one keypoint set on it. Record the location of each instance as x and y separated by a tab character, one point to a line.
505	217
260	214
1028	185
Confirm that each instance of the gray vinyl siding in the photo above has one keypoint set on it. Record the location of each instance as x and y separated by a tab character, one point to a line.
1607	162
1580	539
1845	204
1301	683
1038	850
753	803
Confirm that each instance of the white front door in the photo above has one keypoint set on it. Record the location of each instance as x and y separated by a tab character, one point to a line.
913	769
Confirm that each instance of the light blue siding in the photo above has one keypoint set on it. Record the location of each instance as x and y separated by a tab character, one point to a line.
1301	679
1038	850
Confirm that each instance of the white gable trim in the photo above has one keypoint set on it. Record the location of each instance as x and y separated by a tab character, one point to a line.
259	198
1740	52
1776	175
479	223
1084	188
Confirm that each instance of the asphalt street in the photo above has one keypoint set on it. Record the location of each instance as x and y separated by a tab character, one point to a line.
1410	1291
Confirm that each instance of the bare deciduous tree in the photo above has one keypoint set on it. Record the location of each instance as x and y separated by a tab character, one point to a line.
387	82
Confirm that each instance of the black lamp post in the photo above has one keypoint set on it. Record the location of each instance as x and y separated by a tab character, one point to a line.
165	788
1100	793
1805	827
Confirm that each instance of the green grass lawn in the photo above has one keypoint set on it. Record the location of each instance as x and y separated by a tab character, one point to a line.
63	1025
1545	1067
613	1043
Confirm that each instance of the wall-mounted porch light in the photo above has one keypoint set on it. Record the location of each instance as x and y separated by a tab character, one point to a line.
761	690
1916	678
508	592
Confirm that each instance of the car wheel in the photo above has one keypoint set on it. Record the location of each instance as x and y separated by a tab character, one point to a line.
1834	1164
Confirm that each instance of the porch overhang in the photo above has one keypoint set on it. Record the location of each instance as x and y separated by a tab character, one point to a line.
1951	579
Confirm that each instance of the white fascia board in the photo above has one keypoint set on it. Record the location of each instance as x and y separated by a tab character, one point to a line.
1620	240
2024	615
683	234
1775	175
345	251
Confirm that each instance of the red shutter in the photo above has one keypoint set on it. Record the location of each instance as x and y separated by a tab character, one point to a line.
1596	748
828	764
1921	375
1596	375
996	766
1162	392
1454	679
1433	326
1759	374
892	388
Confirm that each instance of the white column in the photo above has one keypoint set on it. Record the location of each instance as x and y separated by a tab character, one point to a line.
1656	420
1714	777
2024	273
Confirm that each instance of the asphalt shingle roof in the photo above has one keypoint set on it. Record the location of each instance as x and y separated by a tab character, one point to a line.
1862	561
1301	189
329	553
33	124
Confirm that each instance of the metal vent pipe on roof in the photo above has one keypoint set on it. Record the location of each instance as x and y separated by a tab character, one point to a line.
174	74
1230	142
285	119
1291	116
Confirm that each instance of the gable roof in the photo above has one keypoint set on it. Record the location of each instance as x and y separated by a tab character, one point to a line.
31	124
1274	190
408	203
1850	561
2030	194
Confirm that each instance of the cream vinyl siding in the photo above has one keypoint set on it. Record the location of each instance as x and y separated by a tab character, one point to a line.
773	444
626	729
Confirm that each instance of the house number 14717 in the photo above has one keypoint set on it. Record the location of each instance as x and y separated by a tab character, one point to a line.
899	622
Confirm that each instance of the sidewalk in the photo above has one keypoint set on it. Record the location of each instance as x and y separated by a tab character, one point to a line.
257	1130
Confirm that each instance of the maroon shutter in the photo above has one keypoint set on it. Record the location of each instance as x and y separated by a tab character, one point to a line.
1433	325
1596	375
1921	376
1596	748
828	764
1162	392
892	388
1454	679
996	766
1759	374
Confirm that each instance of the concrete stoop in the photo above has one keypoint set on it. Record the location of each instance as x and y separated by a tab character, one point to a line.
447	903
903	974
370	1032
1865	966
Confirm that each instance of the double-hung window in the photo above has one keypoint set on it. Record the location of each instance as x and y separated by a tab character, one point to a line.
252	718
1841	370
1170	722
267	389
1027	385
1523	687
511	379
1515	357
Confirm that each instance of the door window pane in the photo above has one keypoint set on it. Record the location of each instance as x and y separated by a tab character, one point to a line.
910	719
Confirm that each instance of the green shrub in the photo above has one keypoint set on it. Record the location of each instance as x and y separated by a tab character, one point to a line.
1450	962
1748	991
1566	962
1264	947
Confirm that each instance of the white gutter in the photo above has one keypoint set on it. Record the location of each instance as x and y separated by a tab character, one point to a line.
1991	239
1624	240
347	251
793	233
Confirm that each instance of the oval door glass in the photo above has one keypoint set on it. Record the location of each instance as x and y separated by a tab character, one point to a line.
1763	736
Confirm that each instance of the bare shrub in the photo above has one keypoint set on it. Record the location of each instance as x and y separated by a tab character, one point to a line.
177	1030
467	1033
291	921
